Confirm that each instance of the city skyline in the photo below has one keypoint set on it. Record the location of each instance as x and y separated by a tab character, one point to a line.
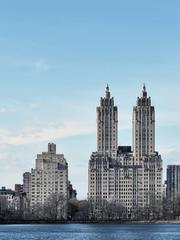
55	65
80	194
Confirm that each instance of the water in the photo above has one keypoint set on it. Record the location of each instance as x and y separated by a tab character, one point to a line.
90	232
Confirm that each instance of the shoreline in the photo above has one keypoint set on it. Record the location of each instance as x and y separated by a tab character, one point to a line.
29	222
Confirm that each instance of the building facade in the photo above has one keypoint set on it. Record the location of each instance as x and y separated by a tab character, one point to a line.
50	176
143	127
18	189
173	182
7	199
152	181
144	150
72	193
107	125
27	184
130	178
115	180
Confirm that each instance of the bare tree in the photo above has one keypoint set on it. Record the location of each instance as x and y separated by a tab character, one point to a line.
37	212
55	208
107	210
3	204
73	208
115	210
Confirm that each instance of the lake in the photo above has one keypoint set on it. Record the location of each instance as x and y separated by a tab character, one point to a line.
90	232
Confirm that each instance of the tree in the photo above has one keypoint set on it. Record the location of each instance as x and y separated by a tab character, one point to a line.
73	208
106	210
55	208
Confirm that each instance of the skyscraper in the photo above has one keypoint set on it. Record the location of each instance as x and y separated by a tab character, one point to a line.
132	179
107	125
107	141
143	127
112	174
144	150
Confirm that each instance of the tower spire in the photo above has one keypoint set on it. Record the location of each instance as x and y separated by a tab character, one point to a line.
107	87
144	92
107	125
107	92
144	87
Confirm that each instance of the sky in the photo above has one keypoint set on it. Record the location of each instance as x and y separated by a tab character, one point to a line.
56	58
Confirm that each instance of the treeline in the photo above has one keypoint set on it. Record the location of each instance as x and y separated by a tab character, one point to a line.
58	210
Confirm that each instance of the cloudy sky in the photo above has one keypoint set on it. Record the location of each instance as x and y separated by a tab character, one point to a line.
55	60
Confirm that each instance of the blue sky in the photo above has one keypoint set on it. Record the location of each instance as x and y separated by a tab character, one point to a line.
55	60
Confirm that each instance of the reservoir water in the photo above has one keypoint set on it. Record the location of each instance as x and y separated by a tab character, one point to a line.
90	232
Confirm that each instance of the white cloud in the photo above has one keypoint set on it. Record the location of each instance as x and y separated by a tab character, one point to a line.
51	132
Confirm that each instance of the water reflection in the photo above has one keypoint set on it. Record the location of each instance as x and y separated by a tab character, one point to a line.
90	232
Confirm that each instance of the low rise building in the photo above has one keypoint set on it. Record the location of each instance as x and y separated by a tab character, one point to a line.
7	199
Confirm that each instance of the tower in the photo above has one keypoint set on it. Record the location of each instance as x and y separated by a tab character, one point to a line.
107	125
49	178
143	126
131	179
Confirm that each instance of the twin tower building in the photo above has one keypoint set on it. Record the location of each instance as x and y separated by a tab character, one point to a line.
129	176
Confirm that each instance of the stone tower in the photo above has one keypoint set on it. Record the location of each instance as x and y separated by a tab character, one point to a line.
107	126
143	126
